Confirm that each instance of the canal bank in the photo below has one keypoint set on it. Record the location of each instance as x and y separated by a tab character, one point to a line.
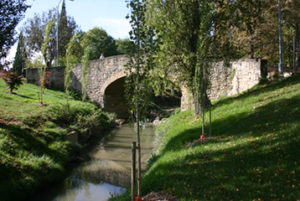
107	173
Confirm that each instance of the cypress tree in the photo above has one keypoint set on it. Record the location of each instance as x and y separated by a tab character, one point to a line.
19	62
66	28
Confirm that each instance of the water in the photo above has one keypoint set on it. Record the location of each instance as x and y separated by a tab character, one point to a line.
107	173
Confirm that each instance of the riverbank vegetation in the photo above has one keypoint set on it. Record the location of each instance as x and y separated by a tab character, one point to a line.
251	155
33	146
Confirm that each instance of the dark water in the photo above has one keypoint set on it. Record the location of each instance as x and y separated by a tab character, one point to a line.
107	173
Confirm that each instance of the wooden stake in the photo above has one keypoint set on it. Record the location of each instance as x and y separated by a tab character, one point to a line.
133	171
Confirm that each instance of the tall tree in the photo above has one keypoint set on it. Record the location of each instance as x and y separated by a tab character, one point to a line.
34	32
46	51
66	29
292	19
192	36
73	56
20	57
138	69
11	12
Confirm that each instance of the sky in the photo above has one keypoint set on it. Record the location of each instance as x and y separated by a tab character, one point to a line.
107	14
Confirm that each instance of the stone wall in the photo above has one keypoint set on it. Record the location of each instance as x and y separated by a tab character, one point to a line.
56	79
226	80
229	80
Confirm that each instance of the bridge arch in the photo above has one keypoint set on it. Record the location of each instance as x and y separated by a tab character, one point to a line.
114	99
112	79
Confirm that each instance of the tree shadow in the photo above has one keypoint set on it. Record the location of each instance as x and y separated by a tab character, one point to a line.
261	160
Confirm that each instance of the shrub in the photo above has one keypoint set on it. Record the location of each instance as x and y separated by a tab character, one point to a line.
12	80
46	82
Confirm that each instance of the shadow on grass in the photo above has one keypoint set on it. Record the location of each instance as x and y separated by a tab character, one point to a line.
248	172
264	166
275	115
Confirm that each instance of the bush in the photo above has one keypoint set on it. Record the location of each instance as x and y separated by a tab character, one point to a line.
11	79
80	117
68	113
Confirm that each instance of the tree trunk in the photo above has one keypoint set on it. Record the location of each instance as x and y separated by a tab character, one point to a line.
296	50
210	127
203	119
251	49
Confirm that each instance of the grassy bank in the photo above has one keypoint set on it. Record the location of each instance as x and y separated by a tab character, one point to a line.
33	146
253	153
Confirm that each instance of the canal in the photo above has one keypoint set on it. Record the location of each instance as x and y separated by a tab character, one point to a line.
108	171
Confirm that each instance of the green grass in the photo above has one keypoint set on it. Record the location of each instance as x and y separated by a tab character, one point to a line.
33	147
253	153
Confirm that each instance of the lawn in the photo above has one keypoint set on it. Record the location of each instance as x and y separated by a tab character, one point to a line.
253	153
34	151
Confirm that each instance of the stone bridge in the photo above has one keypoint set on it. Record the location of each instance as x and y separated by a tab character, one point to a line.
106	77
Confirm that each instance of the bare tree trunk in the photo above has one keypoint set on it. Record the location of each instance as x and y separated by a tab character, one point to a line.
296	49
210	127
139	175
251	49
203	119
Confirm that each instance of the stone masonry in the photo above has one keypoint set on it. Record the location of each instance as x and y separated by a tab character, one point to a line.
226	80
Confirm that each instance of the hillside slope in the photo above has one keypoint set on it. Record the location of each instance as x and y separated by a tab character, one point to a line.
33	146
253	153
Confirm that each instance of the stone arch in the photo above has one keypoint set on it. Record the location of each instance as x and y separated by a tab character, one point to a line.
114	98
110	80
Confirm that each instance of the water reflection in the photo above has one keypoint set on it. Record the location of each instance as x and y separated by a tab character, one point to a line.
90	192
108	171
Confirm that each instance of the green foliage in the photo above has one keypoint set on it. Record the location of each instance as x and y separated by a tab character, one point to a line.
46	48
73	49
138	91
20	57
66	29
11	79
46	51
68	113
34	33
85	68
125	46
99	42
187	47
11	12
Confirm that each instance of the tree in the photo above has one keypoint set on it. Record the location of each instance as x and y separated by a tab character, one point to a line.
292	18
47	52
11	12
99	42
73	56
20	57
125	46
138	79
34	33
193	35
66	29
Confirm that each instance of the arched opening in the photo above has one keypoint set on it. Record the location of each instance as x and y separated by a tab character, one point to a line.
114	99
162	105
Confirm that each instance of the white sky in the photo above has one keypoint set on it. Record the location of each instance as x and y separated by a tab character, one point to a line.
107	14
